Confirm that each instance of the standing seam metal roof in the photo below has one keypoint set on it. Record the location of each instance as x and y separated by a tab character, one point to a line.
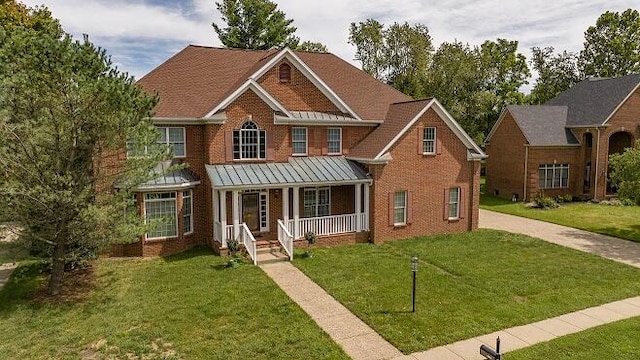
297	171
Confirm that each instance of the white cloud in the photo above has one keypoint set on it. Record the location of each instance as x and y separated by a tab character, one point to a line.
140	34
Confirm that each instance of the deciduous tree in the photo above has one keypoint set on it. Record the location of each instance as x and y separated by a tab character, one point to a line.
612	45
556	73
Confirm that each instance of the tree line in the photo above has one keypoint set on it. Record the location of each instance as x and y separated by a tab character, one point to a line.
474	82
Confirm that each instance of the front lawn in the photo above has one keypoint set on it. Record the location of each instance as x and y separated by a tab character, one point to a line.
618	341
184	307
468	284
619	221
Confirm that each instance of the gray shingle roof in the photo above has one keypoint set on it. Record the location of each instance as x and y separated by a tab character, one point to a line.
302	171
591	101
543	125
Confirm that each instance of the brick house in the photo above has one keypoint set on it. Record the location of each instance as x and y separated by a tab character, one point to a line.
281	142
563	146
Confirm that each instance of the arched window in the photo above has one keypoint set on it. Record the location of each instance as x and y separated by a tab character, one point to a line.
285	73
249	142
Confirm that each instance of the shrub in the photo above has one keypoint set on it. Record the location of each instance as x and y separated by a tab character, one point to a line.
544	202
564	198
234	246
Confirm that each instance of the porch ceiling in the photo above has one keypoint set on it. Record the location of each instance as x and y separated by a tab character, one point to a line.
302	171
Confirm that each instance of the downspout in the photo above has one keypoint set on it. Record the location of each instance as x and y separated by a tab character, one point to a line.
526	163
471	199
595	182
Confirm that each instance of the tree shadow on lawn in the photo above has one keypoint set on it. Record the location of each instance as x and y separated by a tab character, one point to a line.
194	252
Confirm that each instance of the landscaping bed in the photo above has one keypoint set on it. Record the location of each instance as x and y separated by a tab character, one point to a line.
468	284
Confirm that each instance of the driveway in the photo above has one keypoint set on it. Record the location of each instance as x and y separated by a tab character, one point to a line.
624	251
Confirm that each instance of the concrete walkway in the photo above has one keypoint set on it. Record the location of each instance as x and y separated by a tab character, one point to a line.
523	336
355	337
624	251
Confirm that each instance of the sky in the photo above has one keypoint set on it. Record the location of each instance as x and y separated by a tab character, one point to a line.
141	34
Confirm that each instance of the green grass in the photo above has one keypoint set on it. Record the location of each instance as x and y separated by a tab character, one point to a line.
188	306
468	284
618	341
619	221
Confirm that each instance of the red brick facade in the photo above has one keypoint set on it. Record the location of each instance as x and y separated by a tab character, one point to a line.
425	177
508	153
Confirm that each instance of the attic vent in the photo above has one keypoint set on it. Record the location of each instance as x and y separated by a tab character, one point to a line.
285	73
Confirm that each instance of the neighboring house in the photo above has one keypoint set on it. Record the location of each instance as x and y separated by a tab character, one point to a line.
281	142
563	146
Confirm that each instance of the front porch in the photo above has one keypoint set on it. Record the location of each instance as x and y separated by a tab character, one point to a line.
328	196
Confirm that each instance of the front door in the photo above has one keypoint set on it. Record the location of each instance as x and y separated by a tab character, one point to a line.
251	211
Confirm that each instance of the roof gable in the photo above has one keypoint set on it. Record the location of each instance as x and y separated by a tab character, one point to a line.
592	102
256	88
401	117
541	125
197	79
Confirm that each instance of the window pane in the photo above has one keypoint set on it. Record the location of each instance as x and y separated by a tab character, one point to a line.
161	207
453	210
429	137
178	149
398	216
453	195
334	138
176	135
309	203
399	199
299	141
163	135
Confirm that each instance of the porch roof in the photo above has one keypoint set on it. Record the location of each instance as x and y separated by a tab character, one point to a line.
299	171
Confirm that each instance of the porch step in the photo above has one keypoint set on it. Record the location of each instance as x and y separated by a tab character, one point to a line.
271	257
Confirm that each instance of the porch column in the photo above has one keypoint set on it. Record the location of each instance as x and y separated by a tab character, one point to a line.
222	203
366	207
216	215
285	206
236	214
358	203
296	212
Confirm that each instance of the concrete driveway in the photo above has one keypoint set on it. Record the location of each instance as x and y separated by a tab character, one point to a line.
624	251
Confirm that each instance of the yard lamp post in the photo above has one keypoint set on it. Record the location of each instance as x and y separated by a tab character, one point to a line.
414	270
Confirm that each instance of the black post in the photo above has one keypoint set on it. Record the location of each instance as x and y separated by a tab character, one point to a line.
413	308
498	348
414	270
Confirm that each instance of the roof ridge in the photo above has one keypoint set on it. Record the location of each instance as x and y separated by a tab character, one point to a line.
412	101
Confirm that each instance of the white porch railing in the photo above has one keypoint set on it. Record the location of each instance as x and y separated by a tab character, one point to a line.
285	239
364	222
217	232
249	242
329	225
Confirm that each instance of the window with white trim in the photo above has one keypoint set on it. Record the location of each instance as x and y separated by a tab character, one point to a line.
187	212
298	141
334	141
249	142
454	203
175	138
161	207
400	208
429	140
317	202
553	176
